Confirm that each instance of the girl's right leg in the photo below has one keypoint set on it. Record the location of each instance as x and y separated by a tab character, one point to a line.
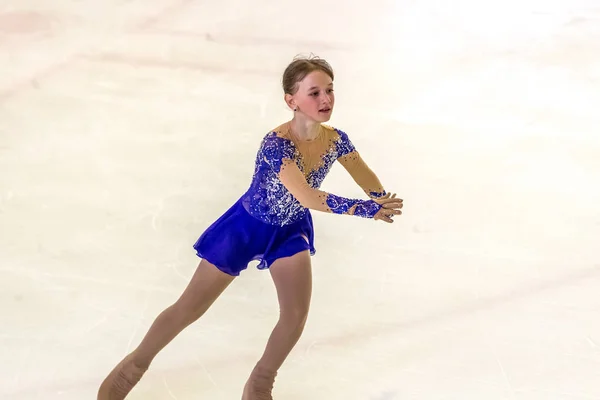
205	287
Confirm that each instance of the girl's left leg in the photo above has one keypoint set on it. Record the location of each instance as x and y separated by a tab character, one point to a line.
293	281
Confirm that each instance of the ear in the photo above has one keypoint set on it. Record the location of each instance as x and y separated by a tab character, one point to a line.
290	101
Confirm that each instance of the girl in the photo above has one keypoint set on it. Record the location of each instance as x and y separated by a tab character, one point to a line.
270	223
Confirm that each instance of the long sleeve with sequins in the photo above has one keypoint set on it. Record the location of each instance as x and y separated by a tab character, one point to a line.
362	174
315	199
286	181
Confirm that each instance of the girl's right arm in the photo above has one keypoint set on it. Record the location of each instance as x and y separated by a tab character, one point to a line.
295	182
279	153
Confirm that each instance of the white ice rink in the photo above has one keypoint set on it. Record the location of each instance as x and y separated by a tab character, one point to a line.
128	126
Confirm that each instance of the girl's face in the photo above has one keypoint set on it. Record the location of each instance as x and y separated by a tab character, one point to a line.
314	97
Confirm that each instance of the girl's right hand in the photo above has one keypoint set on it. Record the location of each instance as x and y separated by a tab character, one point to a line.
390	206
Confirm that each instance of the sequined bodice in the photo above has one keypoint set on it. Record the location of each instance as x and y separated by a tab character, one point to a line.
268	199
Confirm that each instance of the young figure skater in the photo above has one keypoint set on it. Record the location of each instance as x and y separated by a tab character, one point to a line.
270	223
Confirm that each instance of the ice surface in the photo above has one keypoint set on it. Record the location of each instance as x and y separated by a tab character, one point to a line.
126	127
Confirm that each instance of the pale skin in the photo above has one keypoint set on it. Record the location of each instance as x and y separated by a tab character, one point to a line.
312	103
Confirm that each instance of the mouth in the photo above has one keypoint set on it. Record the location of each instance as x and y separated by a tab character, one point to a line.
325	110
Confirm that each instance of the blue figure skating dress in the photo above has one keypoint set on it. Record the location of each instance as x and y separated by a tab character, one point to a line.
272	219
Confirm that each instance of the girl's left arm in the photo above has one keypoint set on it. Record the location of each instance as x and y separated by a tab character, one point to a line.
362	174
350	158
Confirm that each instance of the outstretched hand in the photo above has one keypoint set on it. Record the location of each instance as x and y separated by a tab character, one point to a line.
390	206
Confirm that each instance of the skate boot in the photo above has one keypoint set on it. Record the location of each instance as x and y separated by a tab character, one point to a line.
121	380
259	385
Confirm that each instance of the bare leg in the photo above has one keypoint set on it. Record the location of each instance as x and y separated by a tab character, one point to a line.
293	280
204	288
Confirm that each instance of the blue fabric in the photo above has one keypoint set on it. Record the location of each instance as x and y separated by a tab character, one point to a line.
269	200
341	205
267	222
237	238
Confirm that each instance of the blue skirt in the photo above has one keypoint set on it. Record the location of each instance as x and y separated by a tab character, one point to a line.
237	238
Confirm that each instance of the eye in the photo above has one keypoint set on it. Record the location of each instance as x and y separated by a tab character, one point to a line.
314	94
329	90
